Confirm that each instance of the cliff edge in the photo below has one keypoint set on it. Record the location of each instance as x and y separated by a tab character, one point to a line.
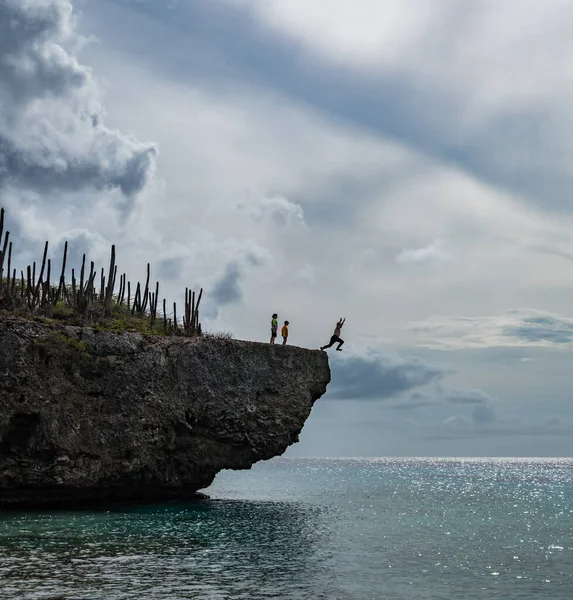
92	416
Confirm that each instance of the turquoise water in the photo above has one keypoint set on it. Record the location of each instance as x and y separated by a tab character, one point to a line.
305	528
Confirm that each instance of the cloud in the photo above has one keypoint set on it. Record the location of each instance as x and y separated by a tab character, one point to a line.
483	415
364	33
276	210
305	275
466	396
416	401
432	253
456	423
487	110
515	328
440	396
226	289
542	329
170	267
374	375
484	423
52	135
480	420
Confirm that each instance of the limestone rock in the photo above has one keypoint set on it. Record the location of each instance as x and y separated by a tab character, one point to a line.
88	416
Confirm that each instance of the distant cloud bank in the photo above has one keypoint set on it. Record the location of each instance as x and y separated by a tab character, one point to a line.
524	327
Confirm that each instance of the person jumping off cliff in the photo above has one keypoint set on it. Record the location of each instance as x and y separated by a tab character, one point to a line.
274	327
284	333
336	336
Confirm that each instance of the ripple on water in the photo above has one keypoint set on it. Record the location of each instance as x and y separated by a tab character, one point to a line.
356	528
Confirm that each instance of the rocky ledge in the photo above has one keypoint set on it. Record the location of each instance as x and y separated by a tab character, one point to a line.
91	416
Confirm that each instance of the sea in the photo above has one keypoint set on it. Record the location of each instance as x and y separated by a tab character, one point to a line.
356	528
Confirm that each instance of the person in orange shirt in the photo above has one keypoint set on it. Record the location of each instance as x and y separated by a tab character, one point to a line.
284	332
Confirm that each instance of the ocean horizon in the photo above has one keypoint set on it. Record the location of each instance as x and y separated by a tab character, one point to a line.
335	527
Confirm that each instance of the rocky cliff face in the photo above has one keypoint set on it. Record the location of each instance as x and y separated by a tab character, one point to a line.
89	416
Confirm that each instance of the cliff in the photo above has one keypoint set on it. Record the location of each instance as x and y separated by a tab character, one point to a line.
94	416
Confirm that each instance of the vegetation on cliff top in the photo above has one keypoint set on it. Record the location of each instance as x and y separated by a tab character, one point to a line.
91	297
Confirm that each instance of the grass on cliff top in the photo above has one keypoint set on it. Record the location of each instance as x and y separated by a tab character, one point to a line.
121	320
218	335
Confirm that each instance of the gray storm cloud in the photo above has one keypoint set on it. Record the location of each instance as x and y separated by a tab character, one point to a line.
52	135
227	289
376	375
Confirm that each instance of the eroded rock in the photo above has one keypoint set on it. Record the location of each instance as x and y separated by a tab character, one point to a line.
88	416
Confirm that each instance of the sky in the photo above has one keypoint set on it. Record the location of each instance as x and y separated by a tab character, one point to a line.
406	165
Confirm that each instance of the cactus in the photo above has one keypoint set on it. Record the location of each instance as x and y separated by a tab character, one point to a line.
34	293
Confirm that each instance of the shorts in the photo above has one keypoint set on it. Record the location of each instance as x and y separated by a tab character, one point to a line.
273	333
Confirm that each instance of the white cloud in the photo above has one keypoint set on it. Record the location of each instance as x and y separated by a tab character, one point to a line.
306	274
350	32
499	52
434	252
274	211
52	136
515	328
486	83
